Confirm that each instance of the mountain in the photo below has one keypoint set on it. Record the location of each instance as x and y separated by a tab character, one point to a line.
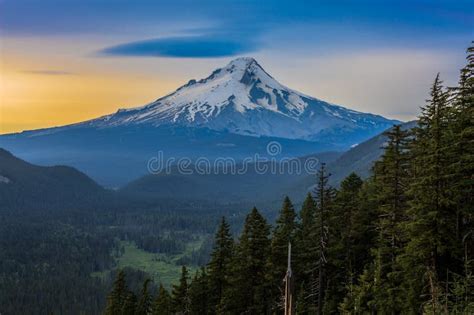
264	187
29	187
243	98
233	113
115	156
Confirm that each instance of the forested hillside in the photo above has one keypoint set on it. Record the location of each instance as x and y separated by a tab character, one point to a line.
27	186
62	237
400	242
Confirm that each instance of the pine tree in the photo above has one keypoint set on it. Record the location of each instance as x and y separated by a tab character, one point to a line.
283	234
180	293
129	305
163	304
117	296
302	305
347	228
362	300
460	279
378	288
461	292
199	294
462	154
391	178
427	255
219	265
144	303
323	199
306	255
248	290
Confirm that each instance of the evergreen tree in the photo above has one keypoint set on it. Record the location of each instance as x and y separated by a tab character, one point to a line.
302	305
462	155
117	296
378	288
180	293
362	300
347	227
163	304
144	303
199	294
391	178
282	235
460	297
306	255
431	244
129	305
219	265
323	199
248	290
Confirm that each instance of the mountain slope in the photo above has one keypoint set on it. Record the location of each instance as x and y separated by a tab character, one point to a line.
358	159
362	157
243	98
219	186
233	113
28	187
115	156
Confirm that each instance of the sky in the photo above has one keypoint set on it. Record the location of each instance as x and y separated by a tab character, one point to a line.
65	61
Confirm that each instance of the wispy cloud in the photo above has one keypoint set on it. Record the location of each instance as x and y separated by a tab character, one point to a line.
48	72
200	46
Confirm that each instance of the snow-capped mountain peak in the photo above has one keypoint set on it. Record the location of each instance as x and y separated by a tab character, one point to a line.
243	98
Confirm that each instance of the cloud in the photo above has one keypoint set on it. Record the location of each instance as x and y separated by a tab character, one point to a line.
202	46
49	72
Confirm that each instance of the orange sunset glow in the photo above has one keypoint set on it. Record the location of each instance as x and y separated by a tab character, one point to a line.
31	100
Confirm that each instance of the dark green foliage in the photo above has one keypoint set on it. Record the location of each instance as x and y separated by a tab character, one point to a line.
199	294
63	262
163	304
38	188
118	295
347	228
282	235
302	304
180	293
219	266
461	151
145	301
422	259
379	286
305	255
129	306
391	176
323	197
122	301
248	289
431	243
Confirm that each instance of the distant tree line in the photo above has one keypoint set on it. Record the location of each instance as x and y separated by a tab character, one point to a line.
58	261
400	242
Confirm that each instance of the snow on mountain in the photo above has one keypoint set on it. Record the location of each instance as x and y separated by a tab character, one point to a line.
235	112
243	98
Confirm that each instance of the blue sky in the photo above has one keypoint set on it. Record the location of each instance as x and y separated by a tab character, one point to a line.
243	24
297	41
